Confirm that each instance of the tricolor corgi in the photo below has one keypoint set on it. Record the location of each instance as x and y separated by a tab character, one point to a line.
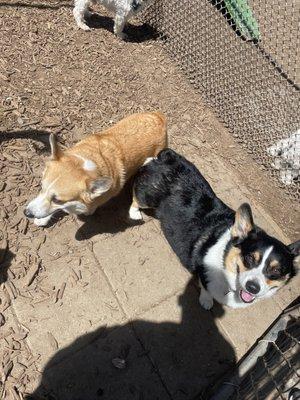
237	262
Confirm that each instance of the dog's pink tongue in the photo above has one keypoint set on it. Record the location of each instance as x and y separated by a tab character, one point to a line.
247	297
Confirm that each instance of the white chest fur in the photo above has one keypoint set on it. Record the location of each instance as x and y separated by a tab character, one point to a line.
221	283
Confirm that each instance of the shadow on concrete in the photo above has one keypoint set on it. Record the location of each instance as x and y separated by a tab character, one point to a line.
142	360
111	218
6	257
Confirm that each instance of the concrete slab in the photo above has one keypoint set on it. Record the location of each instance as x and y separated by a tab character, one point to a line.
139	264
285	296
108	363
188	348
55	319
244	326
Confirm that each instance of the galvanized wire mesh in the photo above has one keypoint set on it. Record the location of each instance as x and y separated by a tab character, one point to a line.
250	82
277	372
272	369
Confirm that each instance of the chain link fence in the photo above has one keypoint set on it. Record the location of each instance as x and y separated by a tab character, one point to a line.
272	369
242	56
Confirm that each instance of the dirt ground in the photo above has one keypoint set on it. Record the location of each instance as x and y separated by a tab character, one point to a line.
94	309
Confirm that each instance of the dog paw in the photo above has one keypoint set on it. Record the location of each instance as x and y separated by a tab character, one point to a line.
41	221
83	26
206	301
135	214
122	36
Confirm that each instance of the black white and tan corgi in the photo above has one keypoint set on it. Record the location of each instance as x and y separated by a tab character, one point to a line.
237	262
87	175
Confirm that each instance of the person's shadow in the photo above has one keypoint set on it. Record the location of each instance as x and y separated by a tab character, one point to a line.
142	359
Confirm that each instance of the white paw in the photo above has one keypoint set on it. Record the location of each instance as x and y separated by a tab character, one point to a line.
135	214
122	36
42	221
84	26
206	301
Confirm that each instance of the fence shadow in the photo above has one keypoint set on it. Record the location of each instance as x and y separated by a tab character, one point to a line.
141	359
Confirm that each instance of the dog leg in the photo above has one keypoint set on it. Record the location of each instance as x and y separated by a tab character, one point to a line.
119	23
134	212
42	221
205	298
80	12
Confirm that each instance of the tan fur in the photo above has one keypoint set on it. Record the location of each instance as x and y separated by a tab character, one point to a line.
274	264
117	152
275	283
257	256
243	222
233	261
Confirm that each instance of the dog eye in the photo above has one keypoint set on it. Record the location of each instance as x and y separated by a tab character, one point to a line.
275	271
249	258
55	200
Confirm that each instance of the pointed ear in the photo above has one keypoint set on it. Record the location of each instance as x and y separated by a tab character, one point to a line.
294	248
100	186
55	151
243	223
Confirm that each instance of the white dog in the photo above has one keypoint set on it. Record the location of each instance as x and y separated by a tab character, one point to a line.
286	153
123	9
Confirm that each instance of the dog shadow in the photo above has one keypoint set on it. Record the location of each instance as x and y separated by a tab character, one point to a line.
6	257
142	359
135	34
37	135
112	217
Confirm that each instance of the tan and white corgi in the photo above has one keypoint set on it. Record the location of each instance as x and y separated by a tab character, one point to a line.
82	178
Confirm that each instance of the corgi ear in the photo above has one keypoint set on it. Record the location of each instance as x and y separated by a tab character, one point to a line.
243	223
294	248
55	151
100	186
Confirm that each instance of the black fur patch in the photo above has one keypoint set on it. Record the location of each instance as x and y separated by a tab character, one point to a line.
135	5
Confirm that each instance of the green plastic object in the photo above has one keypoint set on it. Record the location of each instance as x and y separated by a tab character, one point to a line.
243	18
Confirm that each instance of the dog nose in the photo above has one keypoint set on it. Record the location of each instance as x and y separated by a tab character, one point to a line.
252	287
28	213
